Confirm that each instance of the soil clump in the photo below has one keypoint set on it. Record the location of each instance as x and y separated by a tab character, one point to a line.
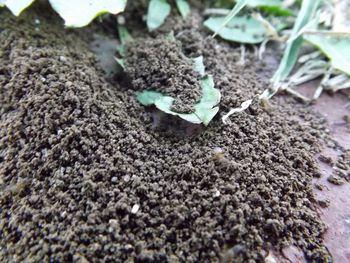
159	64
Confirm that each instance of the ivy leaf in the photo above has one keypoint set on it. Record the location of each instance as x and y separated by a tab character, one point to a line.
164	103
158	11
184	7
16	6
242	29
337	49
207	107
148	97
79	13
76	13
199	65
210	96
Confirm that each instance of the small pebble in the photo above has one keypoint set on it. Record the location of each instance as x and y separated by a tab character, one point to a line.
217	193
63	59
335	179
135	209
114	179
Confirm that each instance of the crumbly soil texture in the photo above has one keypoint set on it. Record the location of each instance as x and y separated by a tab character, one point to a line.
86	175
159	64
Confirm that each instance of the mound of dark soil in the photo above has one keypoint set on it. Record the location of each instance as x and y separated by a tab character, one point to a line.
85	177
158	64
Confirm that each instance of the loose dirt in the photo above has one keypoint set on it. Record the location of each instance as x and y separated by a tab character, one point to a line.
86	176
159	64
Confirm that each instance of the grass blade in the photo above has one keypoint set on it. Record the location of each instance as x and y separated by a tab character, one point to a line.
290	56
238	7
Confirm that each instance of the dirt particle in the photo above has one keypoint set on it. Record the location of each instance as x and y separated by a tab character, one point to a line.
336	180
324	203
135	209
326	159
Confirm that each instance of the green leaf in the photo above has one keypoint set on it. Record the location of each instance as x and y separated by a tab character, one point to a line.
79	13
210	96
76	13
124	34
158	10
207	107
337	49
16	6
148	97
290	56
255	3
184	7
170	37
124	37
274	7
120	62
165	103
276	10
199	65
238	7
242	29
205	110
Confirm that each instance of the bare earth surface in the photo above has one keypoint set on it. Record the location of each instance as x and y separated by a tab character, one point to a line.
88	174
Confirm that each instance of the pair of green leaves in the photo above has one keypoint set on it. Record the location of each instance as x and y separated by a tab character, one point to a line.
159	10
205	109
76	13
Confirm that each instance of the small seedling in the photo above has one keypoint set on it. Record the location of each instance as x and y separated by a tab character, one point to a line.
204	111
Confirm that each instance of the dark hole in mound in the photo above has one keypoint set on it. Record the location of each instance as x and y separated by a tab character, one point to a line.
170	125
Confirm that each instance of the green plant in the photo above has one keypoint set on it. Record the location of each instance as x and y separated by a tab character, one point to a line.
307	29
76	13
205	109
159	10
260	22
306	17
243	29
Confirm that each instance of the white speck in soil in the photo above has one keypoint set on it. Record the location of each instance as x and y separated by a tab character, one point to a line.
135	209
217	193
114	179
